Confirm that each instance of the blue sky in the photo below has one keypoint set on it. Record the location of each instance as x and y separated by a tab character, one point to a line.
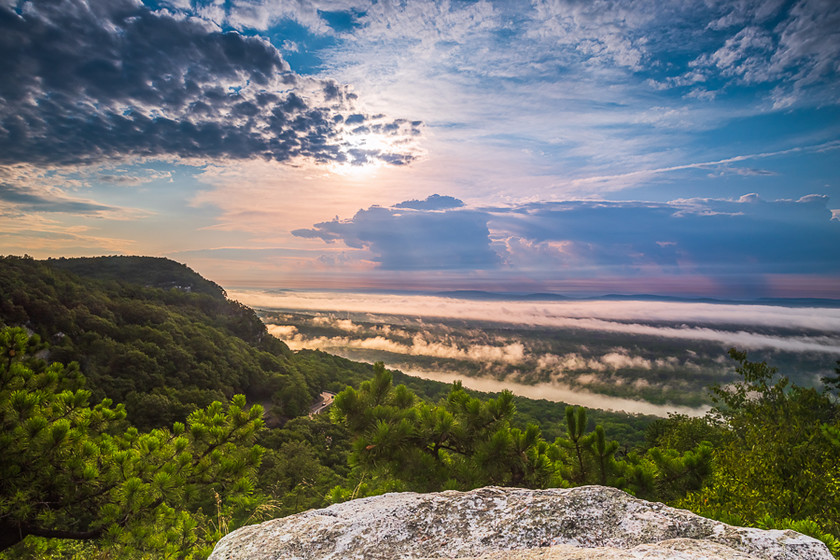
687	148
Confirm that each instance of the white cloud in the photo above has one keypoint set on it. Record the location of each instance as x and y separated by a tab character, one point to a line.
282	332
744	55
262	14
420	345
609	316
809	38
799	52
601	31
572	363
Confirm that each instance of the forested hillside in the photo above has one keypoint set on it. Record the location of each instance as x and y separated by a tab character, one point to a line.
153	334
123	436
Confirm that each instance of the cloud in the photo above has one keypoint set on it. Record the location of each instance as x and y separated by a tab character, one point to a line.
619	181
407	239
619	358
728	324
24	199
262	14
283	332
433	202
601	32
619	237
427	22
781	236
552	89
809	37
514	353
645	348
509	358
461	344
41	235
419	345
798	52
88	81
744	55
124	178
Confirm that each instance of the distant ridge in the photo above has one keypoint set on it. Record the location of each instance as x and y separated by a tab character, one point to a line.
799	302
491	296
479	295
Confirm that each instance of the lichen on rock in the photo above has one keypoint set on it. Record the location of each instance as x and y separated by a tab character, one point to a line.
511	523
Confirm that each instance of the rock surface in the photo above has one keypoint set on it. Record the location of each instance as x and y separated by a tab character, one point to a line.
591	522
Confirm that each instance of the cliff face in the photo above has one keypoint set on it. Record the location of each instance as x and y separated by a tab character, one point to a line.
509	523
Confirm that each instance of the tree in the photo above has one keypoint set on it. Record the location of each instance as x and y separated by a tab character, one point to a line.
462	442
578	443
778	458
832	382
74	471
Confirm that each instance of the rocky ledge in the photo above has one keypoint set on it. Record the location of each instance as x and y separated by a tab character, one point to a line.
588	522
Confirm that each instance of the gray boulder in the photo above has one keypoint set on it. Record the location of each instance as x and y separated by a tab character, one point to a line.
509	523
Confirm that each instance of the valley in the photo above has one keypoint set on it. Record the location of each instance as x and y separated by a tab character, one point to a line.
653	357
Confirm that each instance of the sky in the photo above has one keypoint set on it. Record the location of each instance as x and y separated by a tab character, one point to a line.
583	147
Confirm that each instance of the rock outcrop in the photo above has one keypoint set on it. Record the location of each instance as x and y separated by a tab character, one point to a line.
591	522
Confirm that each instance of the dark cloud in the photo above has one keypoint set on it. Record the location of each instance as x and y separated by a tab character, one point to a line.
317	233
453	240
792	44
24	199
434	202
706	236
83	81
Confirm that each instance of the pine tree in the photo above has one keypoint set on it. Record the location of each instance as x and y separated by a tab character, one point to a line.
72	471
577	441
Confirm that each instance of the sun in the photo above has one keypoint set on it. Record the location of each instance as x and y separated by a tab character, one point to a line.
363	153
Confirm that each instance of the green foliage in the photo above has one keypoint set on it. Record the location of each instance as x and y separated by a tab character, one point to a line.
154	335
463	442
768	455
832	382
629	429
779	455
146	271
305	459
74	471
683	433
577	443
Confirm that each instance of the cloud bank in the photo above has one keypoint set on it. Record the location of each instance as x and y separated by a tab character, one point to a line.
705	235
745	326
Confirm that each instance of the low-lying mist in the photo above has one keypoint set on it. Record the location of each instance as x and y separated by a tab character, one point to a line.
648	357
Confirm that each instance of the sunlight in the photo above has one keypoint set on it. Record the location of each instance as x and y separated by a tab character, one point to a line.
355	171
361	149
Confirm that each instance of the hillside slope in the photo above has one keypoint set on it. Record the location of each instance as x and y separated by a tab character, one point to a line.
155	335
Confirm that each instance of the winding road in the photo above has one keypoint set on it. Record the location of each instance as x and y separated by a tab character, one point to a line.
325	400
